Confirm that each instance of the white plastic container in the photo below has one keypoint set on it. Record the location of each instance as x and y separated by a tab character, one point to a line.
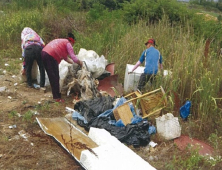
168	126
131	80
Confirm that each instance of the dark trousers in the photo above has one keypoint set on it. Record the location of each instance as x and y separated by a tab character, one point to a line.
33	52
52	69
144	78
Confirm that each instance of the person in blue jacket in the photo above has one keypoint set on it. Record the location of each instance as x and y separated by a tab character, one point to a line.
153	61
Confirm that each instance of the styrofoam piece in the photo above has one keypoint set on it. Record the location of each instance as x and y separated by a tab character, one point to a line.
111	154
102	137
131	80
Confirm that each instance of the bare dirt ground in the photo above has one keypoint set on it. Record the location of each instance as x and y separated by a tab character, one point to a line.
26	146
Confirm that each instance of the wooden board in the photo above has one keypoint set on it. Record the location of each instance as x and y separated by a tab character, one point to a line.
72	139
124	113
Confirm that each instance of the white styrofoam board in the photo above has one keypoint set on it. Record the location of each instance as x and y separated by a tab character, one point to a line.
111	154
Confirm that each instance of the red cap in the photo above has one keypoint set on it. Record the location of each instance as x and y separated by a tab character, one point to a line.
151	41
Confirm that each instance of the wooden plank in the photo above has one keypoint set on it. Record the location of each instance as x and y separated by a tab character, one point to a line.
124	113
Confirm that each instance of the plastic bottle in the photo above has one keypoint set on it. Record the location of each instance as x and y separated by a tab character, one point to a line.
36	86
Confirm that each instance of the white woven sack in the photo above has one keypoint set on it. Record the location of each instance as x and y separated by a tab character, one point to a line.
168	126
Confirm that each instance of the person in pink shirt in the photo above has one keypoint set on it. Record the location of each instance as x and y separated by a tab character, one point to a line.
32	45
52	54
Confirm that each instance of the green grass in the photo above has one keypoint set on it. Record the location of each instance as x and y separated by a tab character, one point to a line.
28	116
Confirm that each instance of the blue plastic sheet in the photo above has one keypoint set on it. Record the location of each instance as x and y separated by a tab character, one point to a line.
152	130
76	115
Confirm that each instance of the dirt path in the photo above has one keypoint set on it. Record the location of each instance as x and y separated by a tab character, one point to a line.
27	146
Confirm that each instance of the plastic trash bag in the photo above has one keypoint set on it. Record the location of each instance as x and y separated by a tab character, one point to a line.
95	64
185	110
152	130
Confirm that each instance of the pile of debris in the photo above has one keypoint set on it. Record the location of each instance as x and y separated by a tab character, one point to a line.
79	81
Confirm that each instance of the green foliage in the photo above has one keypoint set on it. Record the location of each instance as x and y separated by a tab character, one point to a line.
28	116
44	107
4	138
96	12
153	11
219	18
214	140
12	114
190	161
13	23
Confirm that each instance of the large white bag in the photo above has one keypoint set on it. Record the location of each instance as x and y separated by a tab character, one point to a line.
168	126
95	64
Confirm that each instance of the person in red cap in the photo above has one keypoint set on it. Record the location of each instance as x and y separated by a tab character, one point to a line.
153	60
52	54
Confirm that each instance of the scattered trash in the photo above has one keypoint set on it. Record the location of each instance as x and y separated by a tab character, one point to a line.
6	64
167	72
185	110
9	97
69	110
152	130
23	134
4	71
153	158
19	115
36	86
15	84
168	126
20	58
152	144
2	89
13	76
36	113
12	126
